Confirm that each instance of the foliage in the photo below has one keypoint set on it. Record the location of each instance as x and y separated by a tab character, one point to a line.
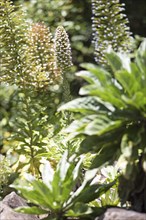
69	14
30	62
4	172
112	115
6	94
56	193
109	28
111	197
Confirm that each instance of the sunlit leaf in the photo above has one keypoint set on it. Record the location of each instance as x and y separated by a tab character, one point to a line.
47	174
79	209
31	210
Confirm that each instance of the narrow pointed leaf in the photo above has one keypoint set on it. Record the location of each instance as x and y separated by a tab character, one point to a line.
31	210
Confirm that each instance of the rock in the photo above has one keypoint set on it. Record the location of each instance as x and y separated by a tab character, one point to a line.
121	214
13	201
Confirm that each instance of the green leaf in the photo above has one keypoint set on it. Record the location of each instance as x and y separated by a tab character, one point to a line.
71	179
79	209
32	195
95	143
63	166
128	81
89	175
31	210
44	192
109	94
38	193
141	58
114	61
77	168
101	125
138	101
92	192
101	76
106	155
47	174
83	105
59	177
94	125
88	76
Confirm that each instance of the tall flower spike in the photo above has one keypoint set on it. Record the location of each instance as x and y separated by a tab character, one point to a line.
41	57
109	28
62	49
12	43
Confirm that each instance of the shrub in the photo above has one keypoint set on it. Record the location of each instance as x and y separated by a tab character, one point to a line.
32	62
111	118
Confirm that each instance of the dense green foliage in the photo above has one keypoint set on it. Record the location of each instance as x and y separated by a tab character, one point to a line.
5	171
112	117
32	61
101	134
57	195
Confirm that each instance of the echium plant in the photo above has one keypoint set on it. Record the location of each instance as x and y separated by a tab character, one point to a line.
40	52
110	28
12	29
28	61
62	49
112	119
63	58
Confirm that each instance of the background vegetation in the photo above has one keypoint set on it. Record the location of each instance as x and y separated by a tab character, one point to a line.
110	112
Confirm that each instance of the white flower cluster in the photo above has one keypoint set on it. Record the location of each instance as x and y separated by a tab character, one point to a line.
30	55
109	28
40	54
62	49
11	41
